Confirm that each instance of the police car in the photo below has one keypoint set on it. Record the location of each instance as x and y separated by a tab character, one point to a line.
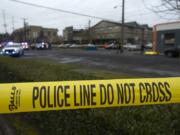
13	49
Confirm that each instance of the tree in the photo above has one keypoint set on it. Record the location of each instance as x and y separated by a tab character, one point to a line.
170	8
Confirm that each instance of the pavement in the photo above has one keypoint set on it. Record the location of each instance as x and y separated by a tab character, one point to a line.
133	63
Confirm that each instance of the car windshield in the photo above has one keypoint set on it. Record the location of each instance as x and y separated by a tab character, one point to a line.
11	46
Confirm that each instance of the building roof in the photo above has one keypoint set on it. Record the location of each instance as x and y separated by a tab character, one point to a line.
133	24
175	22
168	26
36	27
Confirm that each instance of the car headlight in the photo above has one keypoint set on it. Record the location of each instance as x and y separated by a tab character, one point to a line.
3	50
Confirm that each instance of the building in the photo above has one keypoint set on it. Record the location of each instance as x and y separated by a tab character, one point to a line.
72	35
166	38
107	31
36	34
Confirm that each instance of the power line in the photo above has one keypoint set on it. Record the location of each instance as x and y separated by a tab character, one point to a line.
59	10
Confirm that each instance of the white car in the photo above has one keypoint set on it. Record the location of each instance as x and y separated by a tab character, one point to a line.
74	46
149	46
60	46
132	47
14	49
67	45
64	45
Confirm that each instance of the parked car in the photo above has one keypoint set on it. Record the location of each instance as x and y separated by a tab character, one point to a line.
32	46
110	46
15	49
25	45
91	47
132	47
41	46
64	45
149	46
60	46
67	45
73	46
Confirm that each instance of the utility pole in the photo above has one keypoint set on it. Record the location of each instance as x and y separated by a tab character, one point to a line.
122	27
121	41
25	24
89	32
89	24
12	35
4	19
5	25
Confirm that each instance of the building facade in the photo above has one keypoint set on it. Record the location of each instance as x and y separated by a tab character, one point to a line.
36	34
72	35
107	31
166	38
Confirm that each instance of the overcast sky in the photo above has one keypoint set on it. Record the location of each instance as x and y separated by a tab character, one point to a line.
135	11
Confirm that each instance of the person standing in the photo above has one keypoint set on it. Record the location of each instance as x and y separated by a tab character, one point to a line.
142	48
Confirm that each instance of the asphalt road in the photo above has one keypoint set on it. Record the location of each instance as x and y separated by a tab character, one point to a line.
133	63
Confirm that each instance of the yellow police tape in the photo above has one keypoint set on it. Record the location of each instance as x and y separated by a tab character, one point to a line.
44	96
151	53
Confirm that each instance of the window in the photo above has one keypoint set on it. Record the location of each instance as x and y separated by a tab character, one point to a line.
35	34
169	39
117	27
110	28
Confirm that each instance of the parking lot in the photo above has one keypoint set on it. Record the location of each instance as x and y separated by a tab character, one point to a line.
132	63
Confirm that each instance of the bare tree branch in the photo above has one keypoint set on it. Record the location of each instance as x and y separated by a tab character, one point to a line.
170	7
